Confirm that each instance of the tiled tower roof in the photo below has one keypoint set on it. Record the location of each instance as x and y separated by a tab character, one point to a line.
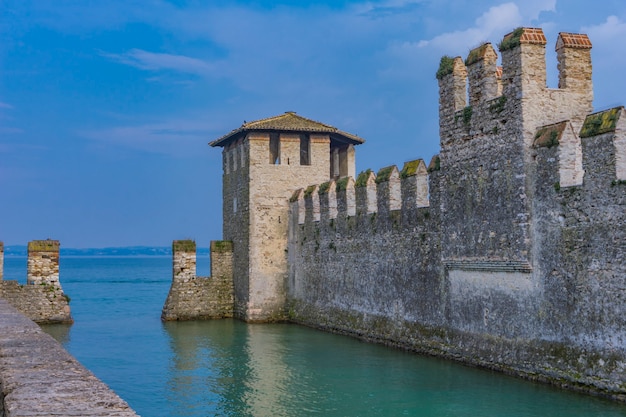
573	40
287	122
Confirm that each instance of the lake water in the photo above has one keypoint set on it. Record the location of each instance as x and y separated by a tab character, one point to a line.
228	368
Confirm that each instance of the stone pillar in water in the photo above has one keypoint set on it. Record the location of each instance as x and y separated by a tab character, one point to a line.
183	260
192	297
43	262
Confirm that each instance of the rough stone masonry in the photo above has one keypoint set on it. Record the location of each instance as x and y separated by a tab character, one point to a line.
39	378
42	299
507	250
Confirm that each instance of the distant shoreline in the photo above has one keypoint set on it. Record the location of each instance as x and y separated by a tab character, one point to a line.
21	250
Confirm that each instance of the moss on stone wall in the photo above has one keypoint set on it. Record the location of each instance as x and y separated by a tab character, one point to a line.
361	180
512	40
324	188
384	174
446	67
43	246
600	123
476	54
221	246
309	190
342	183
410	168
549	136
187	245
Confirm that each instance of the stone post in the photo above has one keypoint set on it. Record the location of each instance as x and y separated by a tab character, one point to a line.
523	63
452	76
183	260
414	179
43	262
365	193
222	260
573	53
388	190
482	74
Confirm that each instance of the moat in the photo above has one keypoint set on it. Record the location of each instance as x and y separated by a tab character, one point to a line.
229	368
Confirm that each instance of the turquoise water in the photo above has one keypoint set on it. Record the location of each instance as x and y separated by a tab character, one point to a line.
228	368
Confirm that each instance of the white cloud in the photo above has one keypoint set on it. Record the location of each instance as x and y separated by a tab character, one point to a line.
609	57
496	20
613	28
491	25
531	9
152	61
5	105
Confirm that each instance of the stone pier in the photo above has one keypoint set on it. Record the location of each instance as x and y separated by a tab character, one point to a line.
192	297
40	378
42	299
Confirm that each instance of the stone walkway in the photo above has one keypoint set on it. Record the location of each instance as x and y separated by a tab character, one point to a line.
40	378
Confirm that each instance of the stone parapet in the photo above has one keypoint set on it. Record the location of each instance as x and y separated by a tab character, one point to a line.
42	303
42	299
192	297
388	191
507	252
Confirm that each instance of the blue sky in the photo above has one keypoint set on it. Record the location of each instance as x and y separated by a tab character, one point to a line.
106	107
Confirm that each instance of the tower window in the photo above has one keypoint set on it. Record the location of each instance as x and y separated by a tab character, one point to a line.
305	150
274	149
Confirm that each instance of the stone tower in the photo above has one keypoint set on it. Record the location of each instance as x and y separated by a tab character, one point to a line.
263	162
486	143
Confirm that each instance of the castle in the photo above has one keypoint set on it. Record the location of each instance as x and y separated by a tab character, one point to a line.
508	250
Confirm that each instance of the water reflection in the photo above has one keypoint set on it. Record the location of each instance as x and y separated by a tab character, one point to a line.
60	332
228	368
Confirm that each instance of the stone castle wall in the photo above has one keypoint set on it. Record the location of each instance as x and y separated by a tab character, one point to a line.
42	299
236	211
192	297
513	259
349	270
506	251
582	247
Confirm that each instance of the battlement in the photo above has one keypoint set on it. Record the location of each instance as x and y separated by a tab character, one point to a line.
192	297
389	190
569	151
505	250
42	299
515	90
600	144
610	123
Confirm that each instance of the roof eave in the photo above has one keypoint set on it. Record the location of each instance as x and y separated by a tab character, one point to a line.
335	135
